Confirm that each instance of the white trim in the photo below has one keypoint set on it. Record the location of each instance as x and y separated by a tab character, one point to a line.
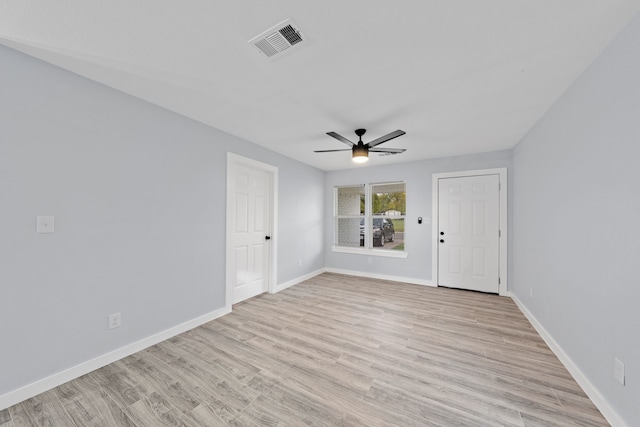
591	391
502	173
235	159
40	386
389	253
381	276
290	283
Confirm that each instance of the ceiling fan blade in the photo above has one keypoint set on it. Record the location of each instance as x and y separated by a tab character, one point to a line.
331	151
388	150
386	138
341	138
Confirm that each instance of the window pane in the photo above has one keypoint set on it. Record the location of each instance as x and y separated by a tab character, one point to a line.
388	207
389	199
350	201
348	232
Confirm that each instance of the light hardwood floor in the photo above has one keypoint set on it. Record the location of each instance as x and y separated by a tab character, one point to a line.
333	351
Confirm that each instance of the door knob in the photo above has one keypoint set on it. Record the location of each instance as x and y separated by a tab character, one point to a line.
267	237
441	240
442	233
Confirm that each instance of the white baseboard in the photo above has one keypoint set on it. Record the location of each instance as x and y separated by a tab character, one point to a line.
382	277
601	403
290	283
30	390
311	275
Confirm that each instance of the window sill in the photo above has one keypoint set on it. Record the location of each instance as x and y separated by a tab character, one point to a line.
371	252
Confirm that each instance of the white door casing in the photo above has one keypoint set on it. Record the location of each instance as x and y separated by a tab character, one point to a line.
470	209
250	221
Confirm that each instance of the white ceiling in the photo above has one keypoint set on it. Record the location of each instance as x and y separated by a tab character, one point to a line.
459	76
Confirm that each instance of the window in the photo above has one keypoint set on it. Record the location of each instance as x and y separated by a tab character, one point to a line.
350	204
371	216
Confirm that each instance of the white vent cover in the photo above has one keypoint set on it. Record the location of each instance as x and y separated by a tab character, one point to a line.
278	38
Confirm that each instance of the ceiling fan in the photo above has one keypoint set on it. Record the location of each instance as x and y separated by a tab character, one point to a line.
360	150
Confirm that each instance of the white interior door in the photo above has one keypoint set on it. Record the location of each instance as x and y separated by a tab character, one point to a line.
250	210
468	232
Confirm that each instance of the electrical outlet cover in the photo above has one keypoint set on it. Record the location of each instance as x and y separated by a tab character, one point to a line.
44	224
115	320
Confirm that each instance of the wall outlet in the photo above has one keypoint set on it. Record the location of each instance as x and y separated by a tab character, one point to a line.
299	263
369	260
531	292
44	224
618	370
115	320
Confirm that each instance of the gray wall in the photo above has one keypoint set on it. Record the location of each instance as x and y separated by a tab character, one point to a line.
576	222
418	178
138	195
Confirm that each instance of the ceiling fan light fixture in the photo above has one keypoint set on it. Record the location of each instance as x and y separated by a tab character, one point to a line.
360	150
360	154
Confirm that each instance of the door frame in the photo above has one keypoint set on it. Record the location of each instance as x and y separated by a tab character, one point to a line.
502	241
234	160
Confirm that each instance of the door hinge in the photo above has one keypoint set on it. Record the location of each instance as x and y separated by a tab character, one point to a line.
499	233
498	280
499	186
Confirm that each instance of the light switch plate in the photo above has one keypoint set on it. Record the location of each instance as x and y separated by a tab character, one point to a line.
44	224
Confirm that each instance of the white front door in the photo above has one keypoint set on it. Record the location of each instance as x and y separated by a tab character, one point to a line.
468	232
249	213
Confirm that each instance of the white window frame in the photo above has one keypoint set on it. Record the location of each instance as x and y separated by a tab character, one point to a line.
337	217
367	249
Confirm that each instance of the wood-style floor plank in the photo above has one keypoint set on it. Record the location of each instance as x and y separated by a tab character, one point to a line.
43	410
5	418
333	351
89	405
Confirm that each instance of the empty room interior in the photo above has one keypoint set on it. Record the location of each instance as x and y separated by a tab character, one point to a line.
331	213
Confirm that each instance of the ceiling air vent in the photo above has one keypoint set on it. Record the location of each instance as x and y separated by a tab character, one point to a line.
278	38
